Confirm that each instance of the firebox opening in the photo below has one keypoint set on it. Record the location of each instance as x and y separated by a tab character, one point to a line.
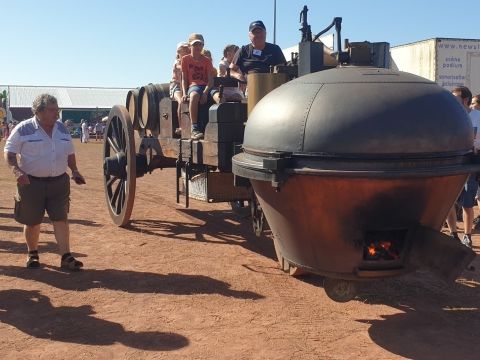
385	245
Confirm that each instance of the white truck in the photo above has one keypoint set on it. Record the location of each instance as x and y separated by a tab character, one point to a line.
448	62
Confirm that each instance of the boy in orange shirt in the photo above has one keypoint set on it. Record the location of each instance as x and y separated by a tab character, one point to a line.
197	80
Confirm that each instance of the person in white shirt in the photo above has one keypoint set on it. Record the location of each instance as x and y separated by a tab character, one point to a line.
45	150
85	131
467	197
98	130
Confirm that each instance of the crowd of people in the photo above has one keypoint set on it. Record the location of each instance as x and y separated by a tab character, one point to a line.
97	130
193	70
6	128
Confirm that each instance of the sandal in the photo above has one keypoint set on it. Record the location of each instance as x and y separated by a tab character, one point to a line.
70	263
33	261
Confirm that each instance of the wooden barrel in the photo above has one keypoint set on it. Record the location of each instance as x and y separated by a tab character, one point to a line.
132	106
149	98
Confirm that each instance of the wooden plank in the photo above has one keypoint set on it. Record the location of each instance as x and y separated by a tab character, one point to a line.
224	132
228	112
220	188
185	122
216	187
186	149
218	154
168	117
170	147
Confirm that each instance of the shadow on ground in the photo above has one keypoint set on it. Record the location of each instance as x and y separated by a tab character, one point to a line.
436	320
46	220
33	313
128	281
217	226
430	309
13	247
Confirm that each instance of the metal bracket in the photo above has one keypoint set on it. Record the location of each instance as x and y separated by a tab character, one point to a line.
178	168
188	175
277	165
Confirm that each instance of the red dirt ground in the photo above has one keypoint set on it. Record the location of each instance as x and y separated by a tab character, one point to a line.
197	284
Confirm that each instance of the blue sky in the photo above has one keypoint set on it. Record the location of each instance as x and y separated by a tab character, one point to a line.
128	43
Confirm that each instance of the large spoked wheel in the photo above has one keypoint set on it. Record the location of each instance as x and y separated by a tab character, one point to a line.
119	165
258	217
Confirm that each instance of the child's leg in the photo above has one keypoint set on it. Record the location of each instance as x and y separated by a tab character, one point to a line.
177	95
216	97
193	107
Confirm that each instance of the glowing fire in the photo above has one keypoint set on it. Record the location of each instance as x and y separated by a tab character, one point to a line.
382	247
386	245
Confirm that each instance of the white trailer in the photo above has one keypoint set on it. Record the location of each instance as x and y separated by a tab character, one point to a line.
448	62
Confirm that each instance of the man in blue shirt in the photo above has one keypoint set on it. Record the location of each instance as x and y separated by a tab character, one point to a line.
259	55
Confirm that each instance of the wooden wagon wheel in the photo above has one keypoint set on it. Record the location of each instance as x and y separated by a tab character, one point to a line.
258	218
119	165
339	290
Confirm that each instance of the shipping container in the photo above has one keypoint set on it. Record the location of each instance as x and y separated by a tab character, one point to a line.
449	62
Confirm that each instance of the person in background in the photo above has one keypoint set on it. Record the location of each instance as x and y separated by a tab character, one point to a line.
475	105
85	132
4	129
98	129
467	197
208	54
46	151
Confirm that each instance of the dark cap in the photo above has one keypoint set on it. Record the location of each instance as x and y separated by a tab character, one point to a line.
256	24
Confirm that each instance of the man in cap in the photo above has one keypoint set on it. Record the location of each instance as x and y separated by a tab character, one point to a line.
259	55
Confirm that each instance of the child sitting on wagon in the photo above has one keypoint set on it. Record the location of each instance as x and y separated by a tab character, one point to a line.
208	54
228	54
176	82
231	93
197	80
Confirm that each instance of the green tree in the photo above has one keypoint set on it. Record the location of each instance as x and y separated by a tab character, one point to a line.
3	98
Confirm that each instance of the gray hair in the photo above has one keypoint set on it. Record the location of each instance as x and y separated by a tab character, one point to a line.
42	101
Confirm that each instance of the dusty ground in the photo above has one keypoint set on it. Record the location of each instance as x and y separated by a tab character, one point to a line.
196	284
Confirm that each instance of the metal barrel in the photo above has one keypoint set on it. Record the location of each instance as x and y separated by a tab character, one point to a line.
148	101
259	85
131	104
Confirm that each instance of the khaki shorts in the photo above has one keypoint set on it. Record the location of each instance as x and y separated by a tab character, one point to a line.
52	195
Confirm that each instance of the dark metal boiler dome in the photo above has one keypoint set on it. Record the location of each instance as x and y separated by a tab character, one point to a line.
359	111
356	168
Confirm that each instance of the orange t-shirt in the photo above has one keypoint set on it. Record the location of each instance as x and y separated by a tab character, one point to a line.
196	71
